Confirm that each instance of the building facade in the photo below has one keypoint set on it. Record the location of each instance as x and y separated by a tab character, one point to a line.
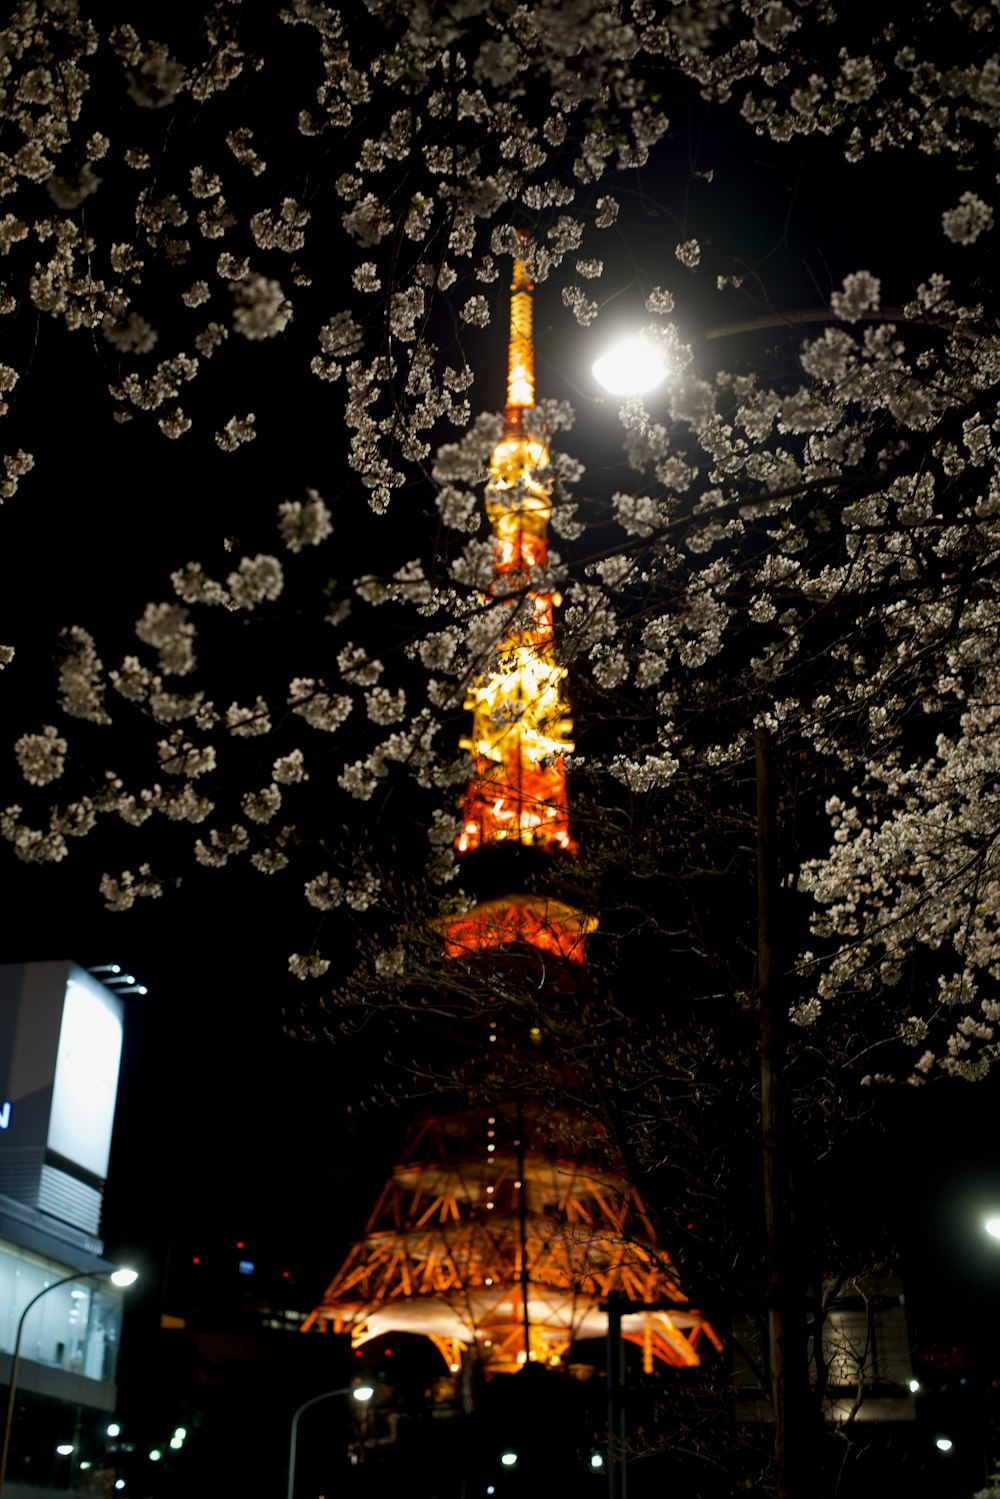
60	1050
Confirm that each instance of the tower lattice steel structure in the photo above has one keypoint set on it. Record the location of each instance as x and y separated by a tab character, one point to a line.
505	1227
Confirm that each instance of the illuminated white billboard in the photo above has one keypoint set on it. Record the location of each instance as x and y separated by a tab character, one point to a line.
60	1052
86	1074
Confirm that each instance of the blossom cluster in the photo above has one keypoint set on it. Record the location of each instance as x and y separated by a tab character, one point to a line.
810	550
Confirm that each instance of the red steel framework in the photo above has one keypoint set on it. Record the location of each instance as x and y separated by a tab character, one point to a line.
503	1230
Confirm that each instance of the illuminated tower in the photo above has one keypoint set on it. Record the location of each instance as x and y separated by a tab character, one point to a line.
505	1227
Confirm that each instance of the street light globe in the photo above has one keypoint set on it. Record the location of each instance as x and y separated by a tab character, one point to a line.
64	1449
944	1444
992	1226
124	1277
508	1459
363	1392
630	367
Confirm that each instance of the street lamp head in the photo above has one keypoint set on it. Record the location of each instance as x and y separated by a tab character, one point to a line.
631	367
361	1392
124	1277
992	1226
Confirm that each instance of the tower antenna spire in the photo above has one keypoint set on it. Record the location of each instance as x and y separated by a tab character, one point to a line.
520	348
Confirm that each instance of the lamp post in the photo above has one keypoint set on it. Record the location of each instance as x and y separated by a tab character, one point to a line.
362	1392
117	1277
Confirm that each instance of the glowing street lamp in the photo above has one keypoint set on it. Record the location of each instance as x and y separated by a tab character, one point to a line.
122	1277
992	1227
362	1393
631	367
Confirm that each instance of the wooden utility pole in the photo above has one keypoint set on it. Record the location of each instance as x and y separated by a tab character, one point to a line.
617	1476
785	1304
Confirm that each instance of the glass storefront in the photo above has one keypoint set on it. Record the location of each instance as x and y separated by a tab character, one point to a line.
75	1327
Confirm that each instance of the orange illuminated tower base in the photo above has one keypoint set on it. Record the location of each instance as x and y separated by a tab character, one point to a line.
498	1239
